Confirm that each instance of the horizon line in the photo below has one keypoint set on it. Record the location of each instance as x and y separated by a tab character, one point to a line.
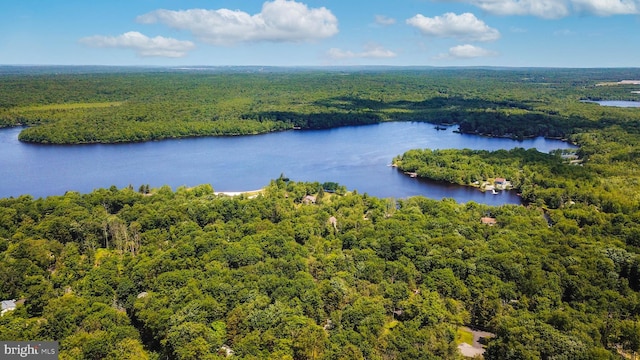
188	67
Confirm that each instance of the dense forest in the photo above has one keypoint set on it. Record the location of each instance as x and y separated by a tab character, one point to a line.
120	106
313	271
187	274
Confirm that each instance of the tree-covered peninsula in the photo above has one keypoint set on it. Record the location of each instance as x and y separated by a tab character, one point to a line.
602	173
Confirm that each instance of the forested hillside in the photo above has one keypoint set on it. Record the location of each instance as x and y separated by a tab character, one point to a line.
121	106
188	274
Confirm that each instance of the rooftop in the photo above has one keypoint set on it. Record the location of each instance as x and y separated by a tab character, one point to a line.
488	220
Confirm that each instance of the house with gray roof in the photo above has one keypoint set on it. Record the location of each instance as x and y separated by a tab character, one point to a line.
8	305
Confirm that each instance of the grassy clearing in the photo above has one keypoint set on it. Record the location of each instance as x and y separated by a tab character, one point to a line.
72	106
464	336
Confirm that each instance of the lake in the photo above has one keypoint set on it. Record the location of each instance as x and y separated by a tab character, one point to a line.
616	103
355	156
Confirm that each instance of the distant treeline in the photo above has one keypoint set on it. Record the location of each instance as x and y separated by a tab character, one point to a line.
107	107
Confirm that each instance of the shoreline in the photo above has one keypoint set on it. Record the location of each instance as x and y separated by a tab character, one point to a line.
237	193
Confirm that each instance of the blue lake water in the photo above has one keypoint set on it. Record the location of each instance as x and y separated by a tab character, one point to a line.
357	157
616	103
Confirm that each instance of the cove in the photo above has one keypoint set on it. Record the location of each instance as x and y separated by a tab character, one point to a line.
355	156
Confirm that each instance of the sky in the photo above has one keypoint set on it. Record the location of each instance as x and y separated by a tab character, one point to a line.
513	33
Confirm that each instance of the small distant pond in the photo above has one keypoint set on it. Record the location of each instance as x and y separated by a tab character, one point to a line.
615	103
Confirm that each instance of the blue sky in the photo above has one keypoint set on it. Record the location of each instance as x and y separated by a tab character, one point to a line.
544	33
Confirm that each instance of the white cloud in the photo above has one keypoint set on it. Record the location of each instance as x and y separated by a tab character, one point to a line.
279	20
384	20
464	26
607	7
554	9
469	51
542	8
370	52
142	44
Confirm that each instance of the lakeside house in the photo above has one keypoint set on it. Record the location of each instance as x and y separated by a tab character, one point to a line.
502	183
569	157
